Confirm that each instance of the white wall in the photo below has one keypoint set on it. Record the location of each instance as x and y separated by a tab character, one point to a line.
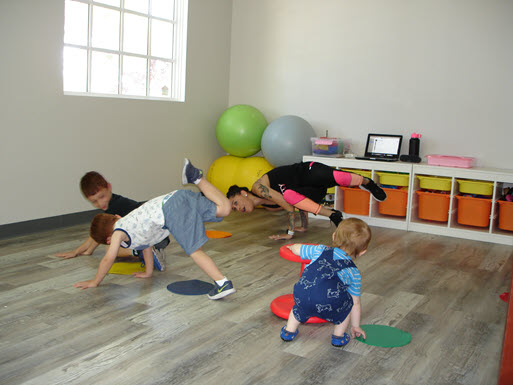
443	68
440	67
48	141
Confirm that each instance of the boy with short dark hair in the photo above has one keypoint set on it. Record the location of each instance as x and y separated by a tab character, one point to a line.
98	191
180	213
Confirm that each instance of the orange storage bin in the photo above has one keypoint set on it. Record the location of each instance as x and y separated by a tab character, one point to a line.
433	206
505	215
395	204
474	211
356	200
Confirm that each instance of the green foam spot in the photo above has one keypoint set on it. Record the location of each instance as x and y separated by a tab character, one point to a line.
384	336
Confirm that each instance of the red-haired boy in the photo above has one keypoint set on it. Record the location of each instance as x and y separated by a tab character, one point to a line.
98	191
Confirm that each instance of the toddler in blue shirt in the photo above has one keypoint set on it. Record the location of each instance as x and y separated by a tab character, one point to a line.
329	287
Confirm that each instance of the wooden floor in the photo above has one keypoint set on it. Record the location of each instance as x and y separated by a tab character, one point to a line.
444	291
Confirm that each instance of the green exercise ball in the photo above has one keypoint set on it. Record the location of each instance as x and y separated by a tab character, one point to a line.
239	130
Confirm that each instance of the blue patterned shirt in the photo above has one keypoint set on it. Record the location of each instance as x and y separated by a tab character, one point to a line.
350	276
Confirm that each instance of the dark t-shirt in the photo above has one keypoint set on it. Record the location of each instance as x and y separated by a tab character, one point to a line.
119	205
286	177
310	179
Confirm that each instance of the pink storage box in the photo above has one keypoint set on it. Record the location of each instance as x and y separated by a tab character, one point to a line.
451	161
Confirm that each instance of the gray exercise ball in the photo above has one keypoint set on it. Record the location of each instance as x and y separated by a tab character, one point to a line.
286	140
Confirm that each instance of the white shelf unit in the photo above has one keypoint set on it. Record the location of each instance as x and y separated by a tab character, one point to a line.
411	221
491	233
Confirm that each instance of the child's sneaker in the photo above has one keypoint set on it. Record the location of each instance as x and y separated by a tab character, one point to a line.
377	192
190	174
286	335
139	255
340	341
219	292
159	259
336	217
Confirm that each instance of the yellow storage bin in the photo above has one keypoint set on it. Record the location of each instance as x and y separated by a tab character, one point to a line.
394	179
434	183
364	173
477	187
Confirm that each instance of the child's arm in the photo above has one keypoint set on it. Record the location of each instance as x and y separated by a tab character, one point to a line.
295	248
106	262
148	262
86	248
356	312
305	251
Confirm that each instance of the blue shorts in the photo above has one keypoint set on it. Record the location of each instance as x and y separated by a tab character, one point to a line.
184	214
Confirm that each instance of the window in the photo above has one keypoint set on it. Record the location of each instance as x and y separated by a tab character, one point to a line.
125	48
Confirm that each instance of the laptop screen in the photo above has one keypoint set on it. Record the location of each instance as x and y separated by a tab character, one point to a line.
382	145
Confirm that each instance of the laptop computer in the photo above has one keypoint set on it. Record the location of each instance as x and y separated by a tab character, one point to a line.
382	147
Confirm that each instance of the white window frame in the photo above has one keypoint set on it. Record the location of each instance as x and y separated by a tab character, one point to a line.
178	60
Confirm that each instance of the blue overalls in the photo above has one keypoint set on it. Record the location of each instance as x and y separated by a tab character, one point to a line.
320	292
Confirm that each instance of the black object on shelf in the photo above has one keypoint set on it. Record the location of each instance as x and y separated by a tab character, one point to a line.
414	150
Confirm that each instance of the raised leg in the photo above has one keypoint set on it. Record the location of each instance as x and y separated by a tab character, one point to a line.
191	174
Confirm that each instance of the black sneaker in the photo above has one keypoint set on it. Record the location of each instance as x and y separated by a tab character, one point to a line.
336	217
190	174
377	192
219	292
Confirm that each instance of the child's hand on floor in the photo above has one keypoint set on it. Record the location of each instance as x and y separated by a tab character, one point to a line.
72	254
68	255
358	331
142	274
86	284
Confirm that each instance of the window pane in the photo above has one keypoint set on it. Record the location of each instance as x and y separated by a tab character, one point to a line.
135	38
134	76
75	69
75	23
163	8
114	3
161	39
160	78
105	28
137	5
136	55
104	73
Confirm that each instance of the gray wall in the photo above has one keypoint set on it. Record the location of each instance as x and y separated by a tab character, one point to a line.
49	141
443	68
